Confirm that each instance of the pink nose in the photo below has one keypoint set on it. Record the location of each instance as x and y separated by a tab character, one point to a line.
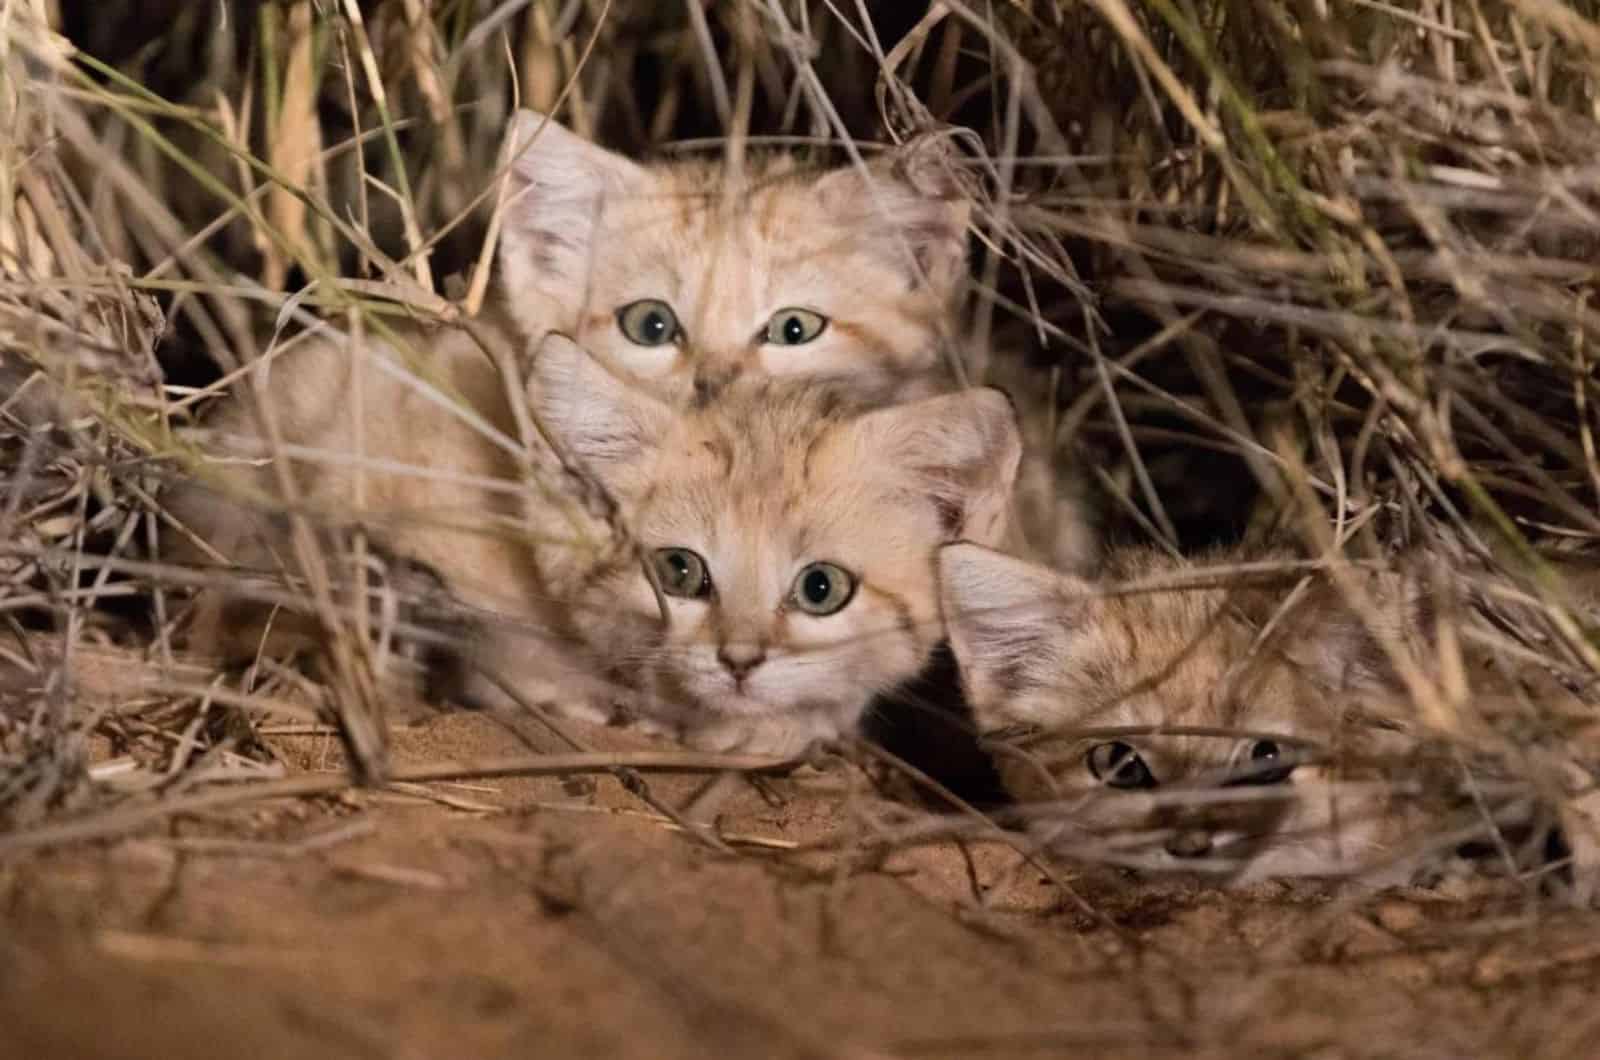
713	374
740	659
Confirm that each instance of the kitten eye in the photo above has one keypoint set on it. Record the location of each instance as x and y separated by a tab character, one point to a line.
823	588
1119	766
794	327
648	322
682	573
1260	770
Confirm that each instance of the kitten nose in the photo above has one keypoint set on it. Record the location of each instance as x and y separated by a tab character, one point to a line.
1189	843
710	380
740	659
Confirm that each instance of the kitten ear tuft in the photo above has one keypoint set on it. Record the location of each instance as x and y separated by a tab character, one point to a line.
604	420
910	208
559	183
1007	621
959	451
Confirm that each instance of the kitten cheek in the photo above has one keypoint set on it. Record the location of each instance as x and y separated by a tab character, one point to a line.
686	617
647	362
826	355
850	645
693	664
639	600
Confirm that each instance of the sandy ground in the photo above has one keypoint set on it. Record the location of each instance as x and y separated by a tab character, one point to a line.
564	918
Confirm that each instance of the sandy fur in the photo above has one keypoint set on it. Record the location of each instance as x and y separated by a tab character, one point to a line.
773	475
880	252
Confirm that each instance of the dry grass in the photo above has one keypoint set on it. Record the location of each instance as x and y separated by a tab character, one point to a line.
1331	262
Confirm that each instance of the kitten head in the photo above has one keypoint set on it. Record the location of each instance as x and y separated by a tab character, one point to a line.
1165	714
791	531
673	271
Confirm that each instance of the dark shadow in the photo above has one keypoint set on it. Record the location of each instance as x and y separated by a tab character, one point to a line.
928	723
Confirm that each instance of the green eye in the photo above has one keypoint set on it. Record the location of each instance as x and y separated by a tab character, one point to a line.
648	322
794	327
823	588
682	573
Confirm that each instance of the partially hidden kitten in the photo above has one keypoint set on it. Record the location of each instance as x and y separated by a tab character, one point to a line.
1169	730
791	528
692	274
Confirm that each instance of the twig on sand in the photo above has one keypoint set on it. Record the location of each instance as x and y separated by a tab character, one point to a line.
122	819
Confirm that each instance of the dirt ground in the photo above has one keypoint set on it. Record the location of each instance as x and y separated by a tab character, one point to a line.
564	918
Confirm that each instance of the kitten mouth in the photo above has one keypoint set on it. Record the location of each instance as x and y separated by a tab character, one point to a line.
739	703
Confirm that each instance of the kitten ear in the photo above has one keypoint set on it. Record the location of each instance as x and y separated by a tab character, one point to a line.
559	183
908	207
1339	645
1008	621
601	418
961	451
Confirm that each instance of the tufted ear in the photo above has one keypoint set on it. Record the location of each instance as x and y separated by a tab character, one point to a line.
560	184
1006	619
909	209
602	419
959	451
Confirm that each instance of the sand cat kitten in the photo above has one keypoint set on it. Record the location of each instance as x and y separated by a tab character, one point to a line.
678	271
791	529
1234	786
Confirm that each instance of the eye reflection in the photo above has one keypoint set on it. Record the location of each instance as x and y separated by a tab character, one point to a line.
794	327
1260	768
682	572
823	589
1118	765
648	322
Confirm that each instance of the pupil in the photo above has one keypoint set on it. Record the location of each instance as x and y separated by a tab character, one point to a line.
1265	749
793	330
680	568
817	586
654	325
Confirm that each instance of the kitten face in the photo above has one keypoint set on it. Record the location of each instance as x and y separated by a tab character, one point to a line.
792	534
672	273
1237	789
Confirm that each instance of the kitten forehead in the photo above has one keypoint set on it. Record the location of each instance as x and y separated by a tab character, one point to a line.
673	219
753	462
815	456
730	252
759	425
